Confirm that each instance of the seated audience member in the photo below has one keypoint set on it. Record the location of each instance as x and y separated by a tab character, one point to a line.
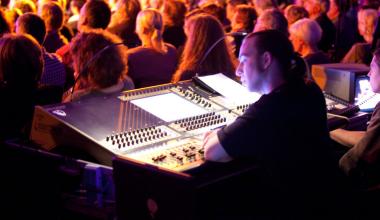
21	65
294	13
317	11
305	35
284	132
262	5
231	7
362	161
100	65
26	6
361	52
54	71
272	19
202	31
173	13
123	22
217	11
344	20
154	62
52	14
94	14
243	20
75	7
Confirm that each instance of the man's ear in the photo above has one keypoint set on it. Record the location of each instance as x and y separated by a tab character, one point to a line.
266	60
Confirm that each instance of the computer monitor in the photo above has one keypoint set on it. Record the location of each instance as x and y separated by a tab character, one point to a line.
339	79
365	98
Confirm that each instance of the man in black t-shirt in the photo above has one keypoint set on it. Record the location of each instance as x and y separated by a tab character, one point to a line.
284	132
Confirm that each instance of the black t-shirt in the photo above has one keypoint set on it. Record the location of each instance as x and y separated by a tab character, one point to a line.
285	133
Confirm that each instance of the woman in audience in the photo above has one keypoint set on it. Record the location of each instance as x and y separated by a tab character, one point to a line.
202	32
361	52
173	13
123	21
154	62
294	13
243	20
272	19
305	35
99	64
21	65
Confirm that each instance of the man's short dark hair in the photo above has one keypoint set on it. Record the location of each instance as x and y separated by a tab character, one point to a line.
98	14
32	24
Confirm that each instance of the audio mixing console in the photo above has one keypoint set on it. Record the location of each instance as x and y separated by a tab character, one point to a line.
161	125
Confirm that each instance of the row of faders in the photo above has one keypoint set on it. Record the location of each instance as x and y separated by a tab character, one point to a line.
132	139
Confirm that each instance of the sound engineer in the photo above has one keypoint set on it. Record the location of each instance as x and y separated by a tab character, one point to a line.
362	161
284	132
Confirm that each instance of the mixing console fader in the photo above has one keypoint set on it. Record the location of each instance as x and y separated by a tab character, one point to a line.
161	125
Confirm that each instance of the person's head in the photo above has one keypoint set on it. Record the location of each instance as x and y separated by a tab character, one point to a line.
149	27
294	13
316	7
173	12
214	10
21	62
26	6
367	20
32	24
126	10
202	31
104	70
305	33
244	18
272	19
52	14
374	73
231	6
262	5
94	14
267	60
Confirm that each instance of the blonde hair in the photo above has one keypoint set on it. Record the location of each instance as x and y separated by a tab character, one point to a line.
150	21
369	18
308	30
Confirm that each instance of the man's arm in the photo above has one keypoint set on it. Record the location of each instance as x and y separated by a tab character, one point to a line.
346	138
214	151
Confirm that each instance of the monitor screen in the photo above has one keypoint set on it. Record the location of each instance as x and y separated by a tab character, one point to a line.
169	107
364	96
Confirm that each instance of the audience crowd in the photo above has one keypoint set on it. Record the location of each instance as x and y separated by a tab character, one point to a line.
85	47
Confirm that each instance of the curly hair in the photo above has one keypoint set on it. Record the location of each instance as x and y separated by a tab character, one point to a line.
98	60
